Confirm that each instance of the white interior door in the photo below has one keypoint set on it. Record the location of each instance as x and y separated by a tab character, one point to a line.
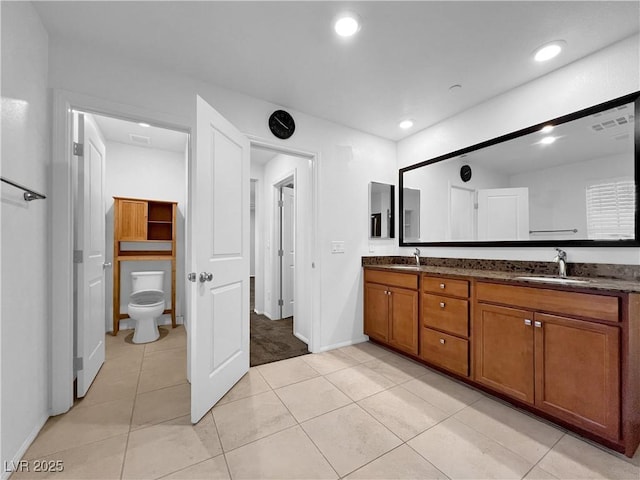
90	246
461	213
288	248
219	326
503	214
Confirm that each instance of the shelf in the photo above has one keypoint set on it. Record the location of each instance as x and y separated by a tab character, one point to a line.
140	226
145	257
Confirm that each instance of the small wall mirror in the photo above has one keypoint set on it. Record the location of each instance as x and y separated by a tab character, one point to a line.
381	210
571	181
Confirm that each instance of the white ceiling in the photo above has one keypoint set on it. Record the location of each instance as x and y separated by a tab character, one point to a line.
116	130
401	64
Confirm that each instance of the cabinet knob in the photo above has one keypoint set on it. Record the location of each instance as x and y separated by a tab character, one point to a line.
442	285
442	341
442	304
527	321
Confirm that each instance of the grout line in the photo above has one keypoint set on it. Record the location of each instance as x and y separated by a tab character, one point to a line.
543	456
133	409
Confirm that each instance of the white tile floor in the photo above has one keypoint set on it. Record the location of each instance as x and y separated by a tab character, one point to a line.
359	412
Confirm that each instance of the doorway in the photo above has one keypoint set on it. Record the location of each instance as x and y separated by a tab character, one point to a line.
282	208
142	164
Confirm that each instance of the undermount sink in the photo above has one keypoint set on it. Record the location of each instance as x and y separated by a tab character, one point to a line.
406	267
553	280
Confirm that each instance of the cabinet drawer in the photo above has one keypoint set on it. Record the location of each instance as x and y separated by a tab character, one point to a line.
444	350
597	307
446	313
446	286
392	279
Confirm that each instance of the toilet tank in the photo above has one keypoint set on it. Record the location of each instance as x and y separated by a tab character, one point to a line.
147	281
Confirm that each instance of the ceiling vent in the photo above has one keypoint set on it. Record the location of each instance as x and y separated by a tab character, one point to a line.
612	119
140	139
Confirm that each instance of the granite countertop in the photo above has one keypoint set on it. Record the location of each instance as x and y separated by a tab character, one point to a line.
592	283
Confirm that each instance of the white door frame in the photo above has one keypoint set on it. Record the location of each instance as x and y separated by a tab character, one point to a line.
303	271
61	240
277	261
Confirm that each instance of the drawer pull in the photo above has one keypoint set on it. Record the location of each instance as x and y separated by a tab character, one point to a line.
442	304
537	324
442	341
442	285
527	321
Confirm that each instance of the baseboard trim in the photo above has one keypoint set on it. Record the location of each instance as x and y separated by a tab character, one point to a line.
353	341
301	338
15	461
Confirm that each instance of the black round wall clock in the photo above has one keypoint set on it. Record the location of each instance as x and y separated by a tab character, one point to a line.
465	173
281	124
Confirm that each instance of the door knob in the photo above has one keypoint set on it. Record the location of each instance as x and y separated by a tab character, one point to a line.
206	277
192	277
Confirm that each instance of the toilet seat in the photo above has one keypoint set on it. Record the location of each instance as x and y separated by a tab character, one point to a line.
147	298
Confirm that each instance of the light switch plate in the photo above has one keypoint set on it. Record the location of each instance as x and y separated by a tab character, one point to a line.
337	246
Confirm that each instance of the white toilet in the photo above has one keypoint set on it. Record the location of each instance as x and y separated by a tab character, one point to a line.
146	303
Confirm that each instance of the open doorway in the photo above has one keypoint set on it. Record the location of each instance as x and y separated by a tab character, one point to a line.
282	212
144	167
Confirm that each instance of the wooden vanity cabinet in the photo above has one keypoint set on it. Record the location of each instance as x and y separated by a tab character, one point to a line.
444	332
567	367
391	309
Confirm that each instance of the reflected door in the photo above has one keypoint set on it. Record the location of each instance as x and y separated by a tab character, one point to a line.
503	214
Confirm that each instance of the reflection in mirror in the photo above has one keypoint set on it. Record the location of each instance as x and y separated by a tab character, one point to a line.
381	210
571	182
411	214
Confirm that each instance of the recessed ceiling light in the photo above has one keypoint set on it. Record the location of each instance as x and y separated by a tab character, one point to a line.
142	124
405	124
546	129
455	88
548	51
347	25
548	140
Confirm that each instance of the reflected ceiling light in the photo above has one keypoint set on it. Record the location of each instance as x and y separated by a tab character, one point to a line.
405	124
548	140
548	51
347	25
142	124
546	129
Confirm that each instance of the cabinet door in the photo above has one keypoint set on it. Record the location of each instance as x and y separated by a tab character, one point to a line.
503	346
132	220
577	372
376	311
403	319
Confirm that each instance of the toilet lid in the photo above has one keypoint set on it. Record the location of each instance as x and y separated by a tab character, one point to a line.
147	297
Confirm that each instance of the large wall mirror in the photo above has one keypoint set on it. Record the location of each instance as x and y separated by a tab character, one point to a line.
381	210
569	181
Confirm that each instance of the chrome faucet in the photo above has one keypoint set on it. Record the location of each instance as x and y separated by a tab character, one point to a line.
561	260
417	255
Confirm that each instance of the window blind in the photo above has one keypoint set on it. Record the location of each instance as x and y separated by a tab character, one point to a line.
611	210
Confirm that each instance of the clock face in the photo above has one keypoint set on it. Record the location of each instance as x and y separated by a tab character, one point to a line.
281	124
465	173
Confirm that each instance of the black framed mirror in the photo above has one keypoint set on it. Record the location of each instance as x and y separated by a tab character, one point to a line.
570	181
381	210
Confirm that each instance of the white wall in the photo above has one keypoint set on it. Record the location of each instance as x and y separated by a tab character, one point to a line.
609	73
24	350
557	195
348	160
153	174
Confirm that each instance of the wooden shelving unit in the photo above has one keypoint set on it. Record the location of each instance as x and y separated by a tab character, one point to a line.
145	222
